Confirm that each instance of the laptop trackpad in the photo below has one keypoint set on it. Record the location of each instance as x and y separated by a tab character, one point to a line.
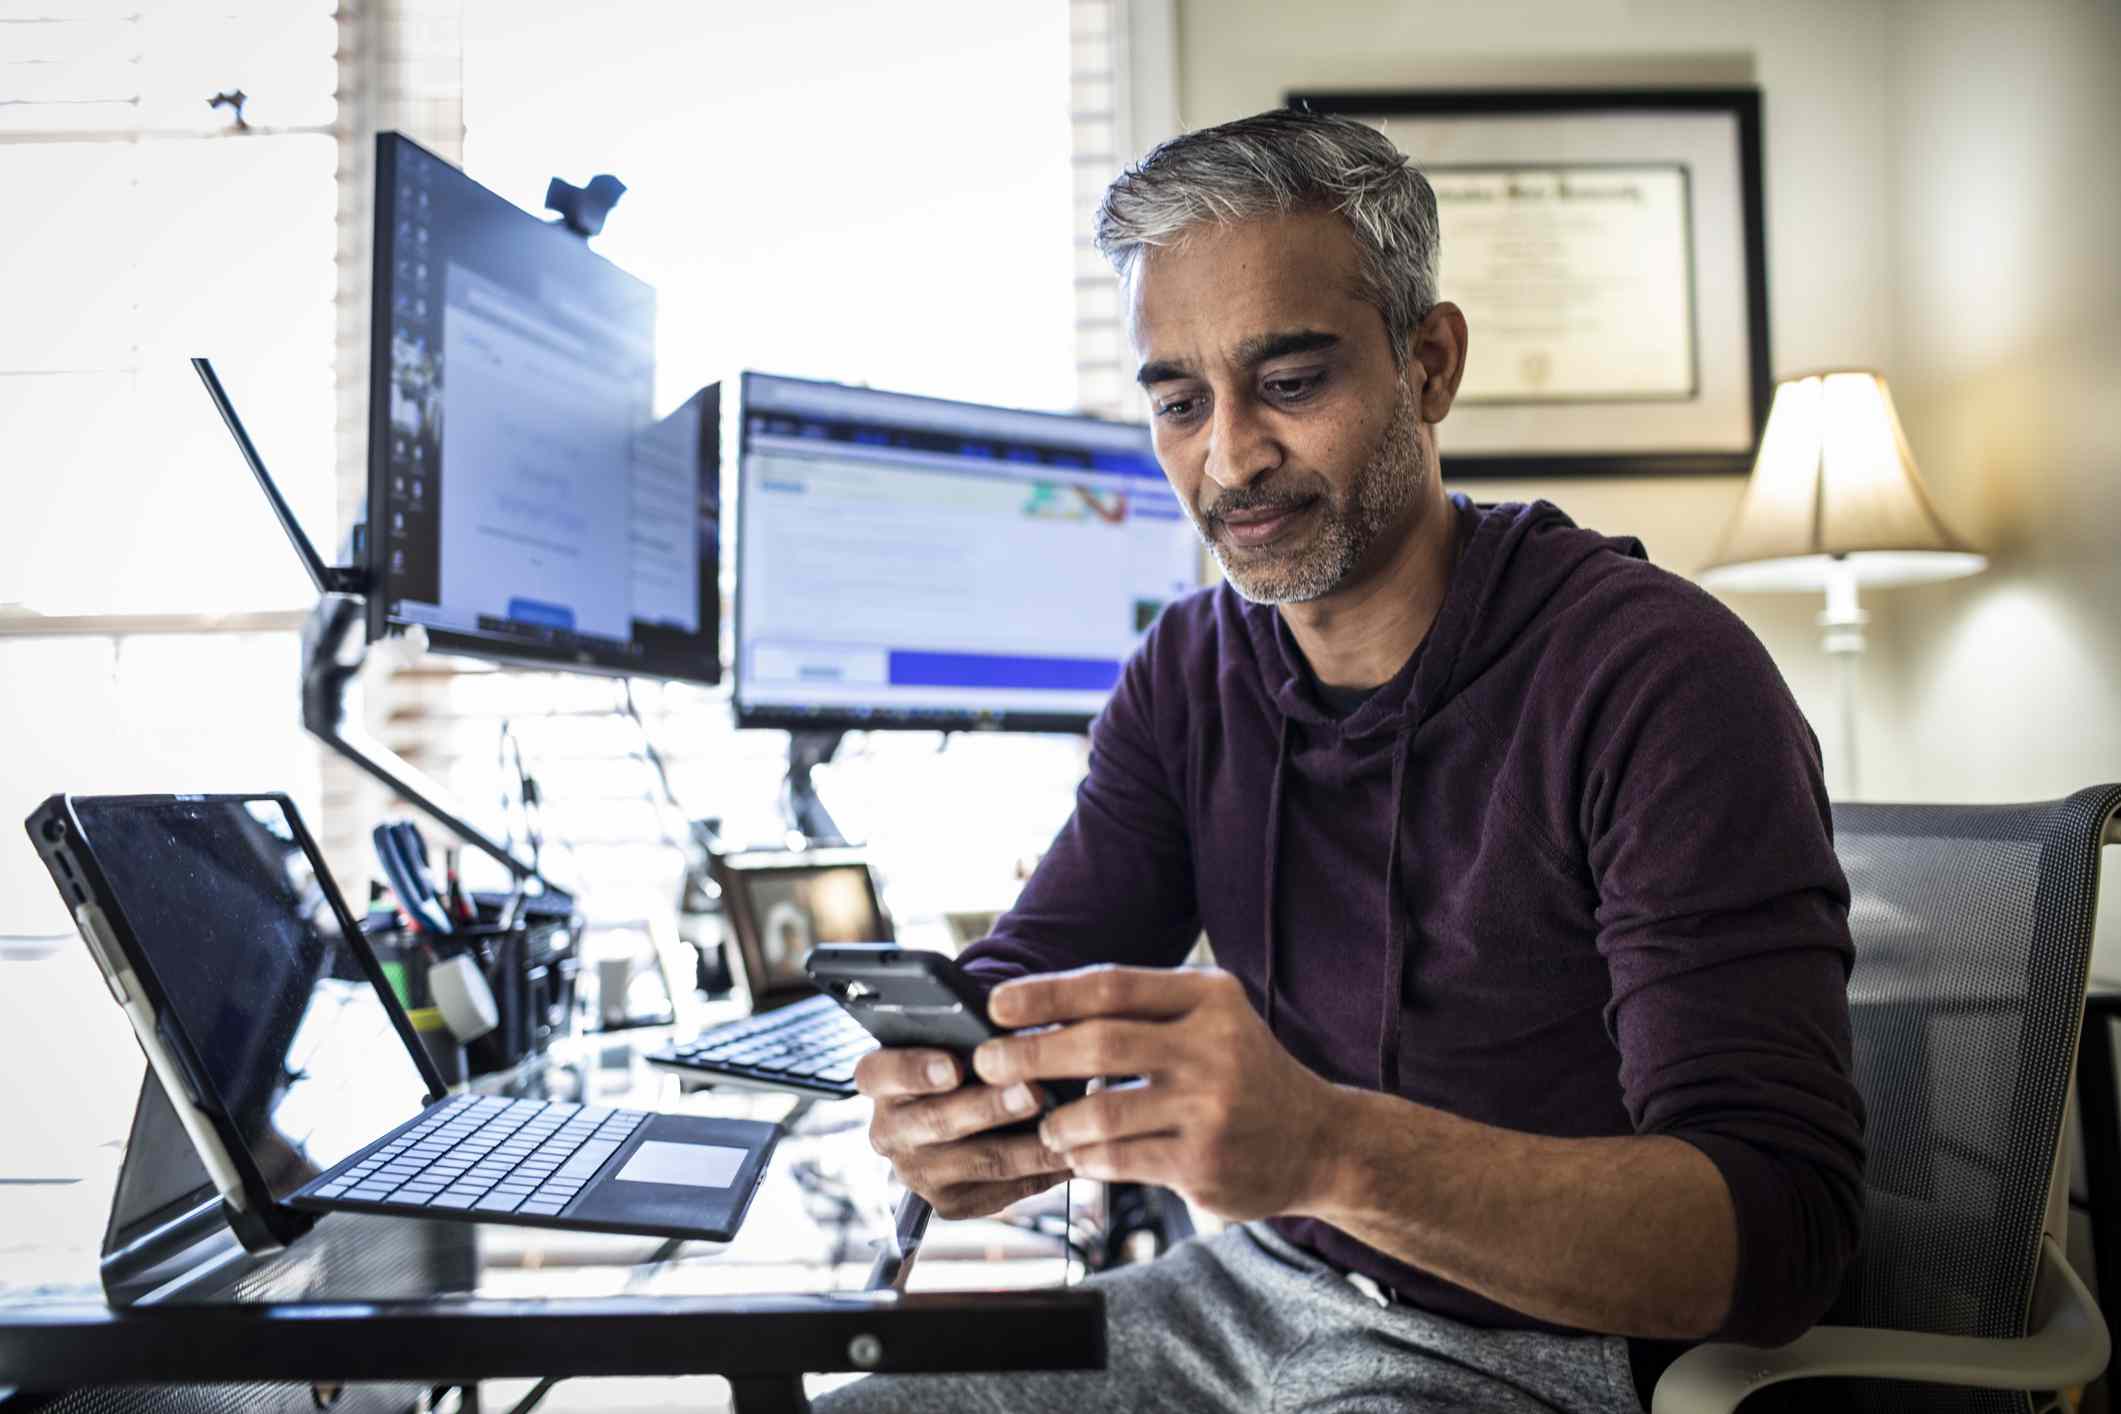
691	1165
685	1175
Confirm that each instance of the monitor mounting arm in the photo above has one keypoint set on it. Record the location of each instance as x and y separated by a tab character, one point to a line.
334	646
801	806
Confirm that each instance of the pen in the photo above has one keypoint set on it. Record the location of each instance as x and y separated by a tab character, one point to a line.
459	902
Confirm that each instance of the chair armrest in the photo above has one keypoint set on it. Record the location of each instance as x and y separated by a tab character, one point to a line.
2069	1347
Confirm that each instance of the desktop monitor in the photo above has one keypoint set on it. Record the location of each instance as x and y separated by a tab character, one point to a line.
913	562
524	503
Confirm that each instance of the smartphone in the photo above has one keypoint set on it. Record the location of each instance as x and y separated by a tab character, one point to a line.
908	997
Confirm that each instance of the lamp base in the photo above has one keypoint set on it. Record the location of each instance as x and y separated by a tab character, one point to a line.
1842	624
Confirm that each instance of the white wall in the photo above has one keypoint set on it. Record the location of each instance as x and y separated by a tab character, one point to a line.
2008	686
2009	380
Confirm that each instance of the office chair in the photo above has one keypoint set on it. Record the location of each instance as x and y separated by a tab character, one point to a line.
1973	931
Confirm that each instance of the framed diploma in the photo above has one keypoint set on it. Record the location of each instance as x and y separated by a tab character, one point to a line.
1608	250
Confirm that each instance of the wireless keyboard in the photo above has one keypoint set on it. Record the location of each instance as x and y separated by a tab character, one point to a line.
809	1047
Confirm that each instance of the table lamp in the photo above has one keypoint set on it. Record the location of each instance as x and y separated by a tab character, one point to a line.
1835	502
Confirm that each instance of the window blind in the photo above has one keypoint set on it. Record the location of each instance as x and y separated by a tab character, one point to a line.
146	597
400	68
1122	100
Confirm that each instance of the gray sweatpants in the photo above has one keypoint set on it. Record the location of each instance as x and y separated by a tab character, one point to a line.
1245	1321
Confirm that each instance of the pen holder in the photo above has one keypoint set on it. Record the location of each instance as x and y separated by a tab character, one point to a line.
405	964
530	968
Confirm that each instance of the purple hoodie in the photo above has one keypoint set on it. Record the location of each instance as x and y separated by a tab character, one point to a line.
1570	872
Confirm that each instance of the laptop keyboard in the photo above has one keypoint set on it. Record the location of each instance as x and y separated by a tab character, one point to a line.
489	1155
811	1046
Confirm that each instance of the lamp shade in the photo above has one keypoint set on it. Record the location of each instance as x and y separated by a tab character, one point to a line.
1835	486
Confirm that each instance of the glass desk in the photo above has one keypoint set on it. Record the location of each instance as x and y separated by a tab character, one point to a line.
392	1313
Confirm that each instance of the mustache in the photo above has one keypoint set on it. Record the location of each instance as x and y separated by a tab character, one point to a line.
1255	498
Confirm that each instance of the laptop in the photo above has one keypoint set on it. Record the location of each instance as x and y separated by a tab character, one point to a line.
294	1068
779	904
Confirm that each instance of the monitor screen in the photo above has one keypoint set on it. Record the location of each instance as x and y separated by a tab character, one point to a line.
227	904
524	503
913	562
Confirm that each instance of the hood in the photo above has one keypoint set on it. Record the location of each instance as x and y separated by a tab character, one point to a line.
1512	561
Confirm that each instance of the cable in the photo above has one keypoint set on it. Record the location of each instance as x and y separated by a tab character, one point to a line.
510	752
1071	1246
667	801
1068	1229
529	799
648	748
1079	1242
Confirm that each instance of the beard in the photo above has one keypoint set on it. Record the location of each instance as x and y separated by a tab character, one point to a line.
1348	523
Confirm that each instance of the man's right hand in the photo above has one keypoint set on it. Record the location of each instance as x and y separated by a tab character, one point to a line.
934	1132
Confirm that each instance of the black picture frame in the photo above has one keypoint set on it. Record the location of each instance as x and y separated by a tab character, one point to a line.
1741	107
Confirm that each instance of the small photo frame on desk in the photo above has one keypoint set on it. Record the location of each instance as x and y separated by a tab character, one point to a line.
1609	251
782	903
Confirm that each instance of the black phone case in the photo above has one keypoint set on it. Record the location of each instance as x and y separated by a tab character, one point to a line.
907	997
903	996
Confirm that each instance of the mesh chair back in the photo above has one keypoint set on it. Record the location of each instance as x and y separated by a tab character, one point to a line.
1973	933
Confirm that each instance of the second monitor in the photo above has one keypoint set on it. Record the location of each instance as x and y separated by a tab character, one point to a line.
914	562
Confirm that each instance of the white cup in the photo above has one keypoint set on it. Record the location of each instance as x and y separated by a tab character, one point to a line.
614	983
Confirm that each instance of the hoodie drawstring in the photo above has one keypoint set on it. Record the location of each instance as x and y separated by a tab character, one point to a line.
1395	930
1395	925
1281	764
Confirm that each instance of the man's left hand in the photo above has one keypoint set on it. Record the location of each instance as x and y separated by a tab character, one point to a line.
1225	1116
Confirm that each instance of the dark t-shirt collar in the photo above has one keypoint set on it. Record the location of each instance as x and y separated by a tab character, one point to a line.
1340	703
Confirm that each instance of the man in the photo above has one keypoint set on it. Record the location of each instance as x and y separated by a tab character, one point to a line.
1532	1034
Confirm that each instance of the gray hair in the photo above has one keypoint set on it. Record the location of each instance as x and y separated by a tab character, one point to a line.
1274	163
